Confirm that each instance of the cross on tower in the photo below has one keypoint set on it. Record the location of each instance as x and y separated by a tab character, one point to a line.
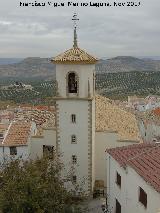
75	19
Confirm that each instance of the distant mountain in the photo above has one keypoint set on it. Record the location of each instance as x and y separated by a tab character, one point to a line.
29	68
4	61
150	57
36	67
127	64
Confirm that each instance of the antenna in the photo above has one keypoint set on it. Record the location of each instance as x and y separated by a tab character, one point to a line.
75	19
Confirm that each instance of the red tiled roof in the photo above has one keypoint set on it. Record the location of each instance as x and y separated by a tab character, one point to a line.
18	133
156	111
39	107
143	158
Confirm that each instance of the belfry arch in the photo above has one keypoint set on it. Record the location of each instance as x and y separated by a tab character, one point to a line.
72	83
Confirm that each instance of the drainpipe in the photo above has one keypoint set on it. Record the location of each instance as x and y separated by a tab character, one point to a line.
3	154
108	195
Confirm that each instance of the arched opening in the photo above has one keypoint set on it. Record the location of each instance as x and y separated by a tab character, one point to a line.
72	82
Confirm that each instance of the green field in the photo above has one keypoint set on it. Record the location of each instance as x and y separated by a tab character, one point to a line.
41	93
120	85
113	85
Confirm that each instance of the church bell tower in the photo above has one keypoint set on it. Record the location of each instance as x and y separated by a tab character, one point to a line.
75	111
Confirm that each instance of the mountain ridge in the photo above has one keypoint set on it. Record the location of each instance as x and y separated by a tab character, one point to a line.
33	67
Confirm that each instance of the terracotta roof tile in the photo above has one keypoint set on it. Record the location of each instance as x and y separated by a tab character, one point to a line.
38	116
18	133
156	111
111	117
74	55
143	158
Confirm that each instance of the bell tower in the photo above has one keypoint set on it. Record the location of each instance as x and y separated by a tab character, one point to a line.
75	111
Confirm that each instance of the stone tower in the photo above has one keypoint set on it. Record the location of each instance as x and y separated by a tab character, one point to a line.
75	112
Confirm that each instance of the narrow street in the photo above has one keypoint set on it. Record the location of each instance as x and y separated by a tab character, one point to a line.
94	205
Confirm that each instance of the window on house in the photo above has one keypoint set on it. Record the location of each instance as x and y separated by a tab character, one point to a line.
74	159
118	179
73	139
1	135
13	150
73	118
143	197
48	151
74	179
118	207
72	83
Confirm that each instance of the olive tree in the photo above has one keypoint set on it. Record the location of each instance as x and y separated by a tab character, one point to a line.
34	187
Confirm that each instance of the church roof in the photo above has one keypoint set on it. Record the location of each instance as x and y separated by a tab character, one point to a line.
74	55
109	116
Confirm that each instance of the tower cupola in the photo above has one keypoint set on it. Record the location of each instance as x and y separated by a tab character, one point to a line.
75	55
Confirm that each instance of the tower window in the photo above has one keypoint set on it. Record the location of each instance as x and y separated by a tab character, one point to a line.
73	139
72	83
74	179
73	118
74	159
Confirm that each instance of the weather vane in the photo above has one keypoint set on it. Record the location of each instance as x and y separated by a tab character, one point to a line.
75	19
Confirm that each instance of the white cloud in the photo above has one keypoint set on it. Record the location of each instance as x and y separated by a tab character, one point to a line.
103	31
5	23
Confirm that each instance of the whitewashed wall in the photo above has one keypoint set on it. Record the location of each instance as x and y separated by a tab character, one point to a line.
128	194
105	140
84	72
152	131
81	129
36	145
149	131
22	152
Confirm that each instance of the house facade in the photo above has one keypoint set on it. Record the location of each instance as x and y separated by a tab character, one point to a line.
16	140
133	183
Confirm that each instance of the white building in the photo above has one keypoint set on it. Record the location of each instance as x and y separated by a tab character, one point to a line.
114	127
143	104
133	183
18	85
76	141
15	140
150	130
75	113
85	123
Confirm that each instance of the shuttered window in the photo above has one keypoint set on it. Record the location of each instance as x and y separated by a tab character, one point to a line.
118	179
143	197
118	207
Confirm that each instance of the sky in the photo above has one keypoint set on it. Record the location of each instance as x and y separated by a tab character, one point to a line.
103	32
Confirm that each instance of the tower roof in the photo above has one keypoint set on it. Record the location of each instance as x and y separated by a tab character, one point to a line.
74	55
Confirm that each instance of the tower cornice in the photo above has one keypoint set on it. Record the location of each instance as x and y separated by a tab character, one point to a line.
74	56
